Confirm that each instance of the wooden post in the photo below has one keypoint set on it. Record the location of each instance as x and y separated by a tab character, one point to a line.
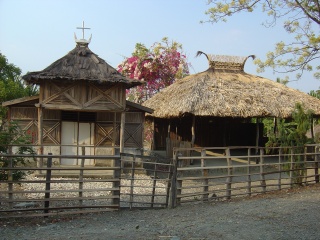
305	167
205	196
249	173
116	182
122	130
262	173
48	187
173	198
279	169
81	176
193	134
257	133
154	183
40	138
132	180
291	168
311	129
230	172
316	164
10	177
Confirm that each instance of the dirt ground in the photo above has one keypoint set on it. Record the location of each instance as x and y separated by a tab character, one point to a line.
288	214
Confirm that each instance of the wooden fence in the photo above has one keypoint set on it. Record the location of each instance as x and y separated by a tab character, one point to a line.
222	173
58	190
133	181
137	181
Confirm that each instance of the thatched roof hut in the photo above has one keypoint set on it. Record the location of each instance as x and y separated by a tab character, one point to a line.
214	107
80	64
225	90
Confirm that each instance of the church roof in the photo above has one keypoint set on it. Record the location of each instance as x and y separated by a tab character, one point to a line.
81	64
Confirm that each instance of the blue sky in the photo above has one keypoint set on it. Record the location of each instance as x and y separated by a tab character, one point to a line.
35	33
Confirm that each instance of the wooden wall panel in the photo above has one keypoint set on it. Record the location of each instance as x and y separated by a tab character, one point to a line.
82	95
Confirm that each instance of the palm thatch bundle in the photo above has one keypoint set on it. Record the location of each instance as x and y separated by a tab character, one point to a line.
80	64
225	90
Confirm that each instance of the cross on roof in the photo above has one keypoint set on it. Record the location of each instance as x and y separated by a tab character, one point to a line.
83	28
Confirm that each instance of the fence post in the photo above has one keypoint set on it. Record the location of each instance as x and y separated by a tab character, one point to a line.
154	181
10	178
205	196
249	173
291	168
305	166
81	176
280	168
262	173
133	164
230	172
48	180
116	183
316	164
173	202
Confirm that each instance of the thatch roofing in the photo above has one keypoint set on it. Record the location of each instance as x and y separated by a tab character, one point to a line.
80	64
225	90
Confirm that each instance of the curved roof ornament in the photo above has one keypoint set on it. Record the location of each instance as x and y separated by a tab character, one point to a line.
226	63
82	41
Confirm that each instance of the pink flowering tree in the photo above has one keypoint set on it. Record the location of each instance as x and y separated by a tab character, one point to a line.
158	67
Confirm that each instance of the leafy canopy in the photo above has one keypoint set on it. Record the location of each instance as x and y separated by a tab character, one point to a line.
158	67
301	18
11	84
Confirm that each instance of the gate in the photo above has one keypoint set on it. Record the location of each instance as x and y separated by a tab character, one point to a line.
145	182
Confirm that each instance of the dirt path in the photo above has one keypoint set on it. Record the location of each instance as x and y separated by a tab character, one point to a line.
291	214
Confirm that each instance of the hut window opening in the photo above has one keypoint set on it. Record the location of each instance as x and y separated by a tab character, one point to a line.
78	116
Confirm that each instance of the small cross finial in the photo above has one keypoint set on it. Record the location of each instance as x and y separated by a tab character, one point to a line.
82	40
83	28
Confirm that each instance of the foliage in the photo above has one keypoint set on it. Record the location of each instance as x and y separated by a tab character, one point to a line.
11	135
291	136
158	67
300	18
11	84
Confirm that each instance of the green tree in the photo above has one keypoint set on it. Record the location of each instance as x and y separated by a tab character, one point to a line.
11	84
301	19
11	135
291	136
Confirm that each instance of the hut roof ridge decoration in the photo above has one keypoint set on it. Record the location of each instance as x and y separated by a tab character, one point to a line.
225	62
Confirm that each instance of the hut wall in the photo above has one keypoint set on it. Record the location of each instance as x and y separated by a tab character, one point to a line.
209	132
82	95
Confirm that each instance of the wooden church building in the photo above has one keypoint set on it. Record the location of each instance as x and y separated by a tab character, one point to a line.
81	103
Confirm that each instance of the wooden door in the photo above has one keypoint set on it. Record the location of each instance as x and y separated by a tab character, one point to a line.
74	136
